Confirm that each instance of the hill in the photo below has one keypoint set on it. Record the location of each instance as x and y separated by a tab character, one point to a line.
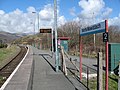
7	37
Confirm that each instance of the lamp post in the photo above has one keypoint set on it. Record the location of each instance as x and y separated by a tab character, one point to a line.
34	22
94	34
37	18
34	29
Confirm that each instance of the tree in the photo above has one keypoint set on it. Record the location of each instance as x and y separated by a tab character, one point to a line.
70	29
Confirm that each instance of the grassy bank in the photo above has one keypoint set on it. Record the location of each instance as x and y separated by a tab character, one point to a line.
112	84
93	55
8	53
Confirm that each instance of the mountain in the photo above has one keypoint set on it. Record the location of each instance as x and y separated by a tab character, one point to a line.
9	37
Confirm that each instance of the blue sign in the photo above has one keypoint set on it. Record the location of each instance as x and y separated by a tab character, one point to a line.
96	28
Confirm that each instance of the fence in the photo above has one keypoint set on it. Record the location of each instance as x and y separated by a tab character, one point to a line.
89	75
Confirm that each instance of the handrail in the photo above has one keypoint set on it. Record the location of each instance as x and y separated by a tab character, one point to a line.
63	54
71	61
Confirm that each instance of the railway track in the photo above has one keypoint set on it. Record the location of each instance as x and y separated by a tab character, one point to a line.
6	71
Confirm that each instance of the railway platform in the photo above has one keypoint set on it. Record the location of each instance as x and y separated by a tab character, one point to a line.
44	75
36	72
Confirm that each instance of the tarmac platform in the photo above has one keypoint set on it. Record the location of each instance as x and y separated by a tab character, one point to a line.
45	77
37	72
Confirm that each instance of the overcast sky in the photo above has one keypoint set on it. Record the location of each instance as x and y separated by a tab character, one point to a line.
16	15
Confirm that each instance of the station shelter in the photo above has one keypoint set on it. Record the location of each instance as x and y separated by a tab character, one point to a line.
114	56
63	41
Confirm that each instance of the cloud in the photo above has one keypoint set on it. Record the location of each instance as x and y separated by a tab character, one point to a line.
17	12
61	20
47	17
47	13
94	11
106	13
16	22
72	11
114	21
2	12
19	22
91	8
31	9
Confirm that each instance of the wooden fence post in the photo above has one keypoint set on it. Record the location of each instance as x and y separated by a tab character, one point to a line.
63	63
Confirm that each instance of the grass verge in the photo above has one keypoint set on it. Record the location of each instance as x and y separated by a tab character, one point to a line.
7	54
112	84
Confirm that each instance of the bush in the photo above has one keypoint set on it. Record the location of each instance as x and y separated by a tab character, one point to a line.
3	45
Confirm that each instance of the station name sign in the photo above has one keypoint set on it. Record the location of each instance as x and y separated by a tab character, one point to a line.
96	28
48	30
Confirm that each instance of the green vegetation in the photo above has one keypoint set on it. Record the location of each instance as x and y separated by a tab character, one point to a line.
7	53
113	82
90	56
36	40
3	45
2	79
89	48
112	85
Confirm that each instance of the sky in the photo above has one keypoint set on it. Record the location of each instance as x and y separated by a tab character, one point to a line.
16	15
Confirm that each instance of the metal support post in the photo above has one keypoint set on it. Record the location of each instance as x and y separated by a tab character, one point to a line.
52	43
38	21
94	42
56	44
34	33
106	46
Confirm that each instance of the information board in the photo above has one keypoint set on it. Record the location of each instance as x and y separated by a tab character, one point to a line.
48	30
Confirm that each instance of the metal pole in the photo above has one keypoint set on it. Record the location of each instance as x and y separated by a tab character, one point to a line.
52	42
94	42
34	28
56	45
106	45
38	21
34	32
94	34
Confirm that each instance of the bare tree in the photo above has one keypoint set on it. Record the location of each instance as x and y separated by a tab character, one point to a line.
114	34
70	29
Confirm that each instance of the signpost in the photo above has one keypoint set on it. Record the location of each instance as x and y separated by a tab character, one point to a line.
105	37
47	30
96	28
106	47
